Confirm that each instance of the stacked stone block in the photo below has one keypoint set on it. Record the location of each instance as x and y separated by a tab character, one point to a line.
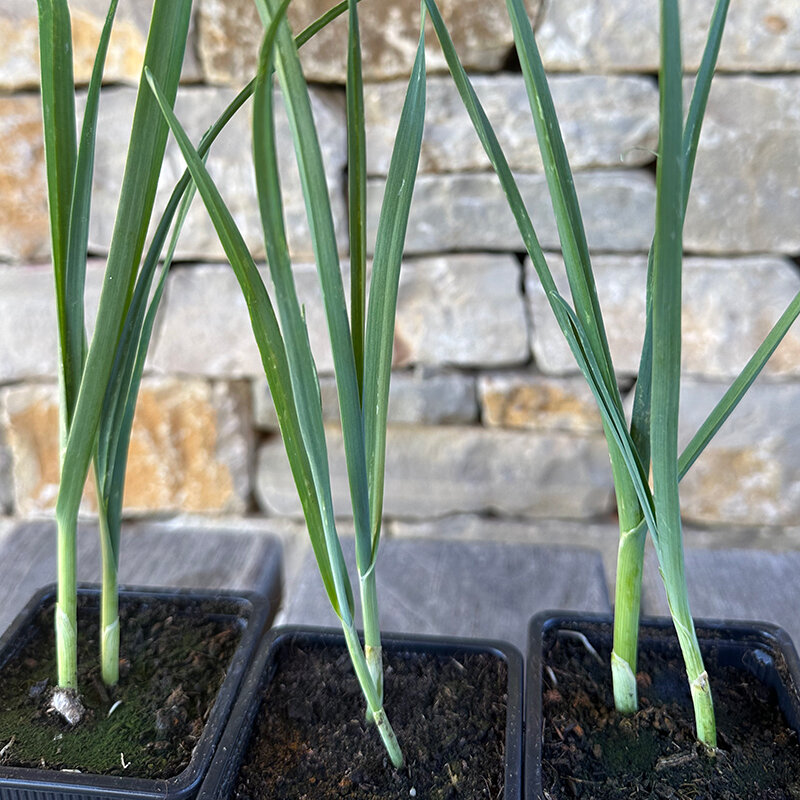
488	415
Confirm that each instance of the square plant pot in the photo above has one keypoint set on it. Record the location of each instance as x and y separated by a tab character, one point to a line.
220	627
576	747
282	719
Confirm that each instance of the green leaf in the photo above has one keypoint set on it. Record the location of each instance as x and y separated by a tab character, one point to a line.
493	150
80	207
61	152
390	239
356	192
666	293
302	369
562	191
123	389
613	418
702	88
322	22
640	424
164	55
320	220
265	328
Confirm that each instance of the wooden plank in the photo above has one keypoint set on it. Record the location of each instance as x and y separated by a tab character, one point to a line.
151	555
473	589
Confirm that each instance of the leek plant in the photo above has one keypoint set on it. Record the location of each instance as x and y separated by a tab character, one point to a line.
361	344
650	443
99	384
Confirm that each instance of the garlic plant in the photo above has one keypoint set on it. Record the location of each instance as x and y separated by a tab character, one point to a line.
361	344
651	439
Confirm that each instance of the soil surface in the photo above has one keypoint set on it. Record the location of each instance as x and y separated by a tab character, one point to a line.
173	659
590	751
311	740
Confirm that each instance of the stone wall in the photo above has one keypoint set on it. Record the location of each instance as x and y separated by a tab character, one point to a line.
488	415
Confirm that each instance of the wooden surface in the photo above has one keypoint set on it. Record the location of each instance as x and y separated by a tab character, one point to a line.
475	589
150	556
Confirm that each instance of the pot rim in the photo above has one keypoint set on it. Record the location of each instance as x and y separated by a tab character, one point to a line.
254	610
769	640
230	751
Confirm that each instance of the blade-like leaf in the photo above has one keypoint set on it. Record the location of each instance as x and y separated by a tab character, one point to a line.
322	22
570	227
61	148
392	226
356	192
80	207
562	190
119	403
640	422
320	220
702	88
640	414
613	418
123	388
302	369
265	328
666	293
493	150
164	55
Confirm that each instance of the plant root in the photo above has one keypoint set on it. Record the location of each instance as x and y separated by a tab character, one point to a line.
67	703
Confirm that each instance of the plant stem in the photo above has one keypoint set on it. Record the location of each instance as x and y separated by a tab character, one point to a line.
677	597
628	589
374	703
627	602
109	604
372	633
67	603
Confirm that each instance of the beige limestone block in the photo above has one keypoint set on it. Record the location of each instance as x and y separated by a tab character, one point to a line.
538	402
418	397
23	191
606	121
189	449
729	307
230	164
28	328
448	312
746	189
468	211
230	33
446	315
622	35
440	470
750	473
19	56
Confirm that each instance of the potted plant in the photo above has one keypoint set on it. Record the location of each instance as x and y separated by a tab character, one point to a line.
649	445
71	715
362	351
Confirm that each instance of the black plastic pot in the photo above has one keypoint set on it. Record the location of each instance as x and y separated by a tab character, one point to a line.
222	775
764	650
252	611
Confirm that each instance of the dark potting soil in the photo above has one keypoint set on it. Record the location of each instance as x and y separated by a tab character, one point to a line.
311	741
590	751
173	658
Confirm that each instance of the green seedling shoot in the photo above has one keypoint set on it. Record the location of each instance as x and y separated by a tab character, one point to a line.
99	381
361	343
651	439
